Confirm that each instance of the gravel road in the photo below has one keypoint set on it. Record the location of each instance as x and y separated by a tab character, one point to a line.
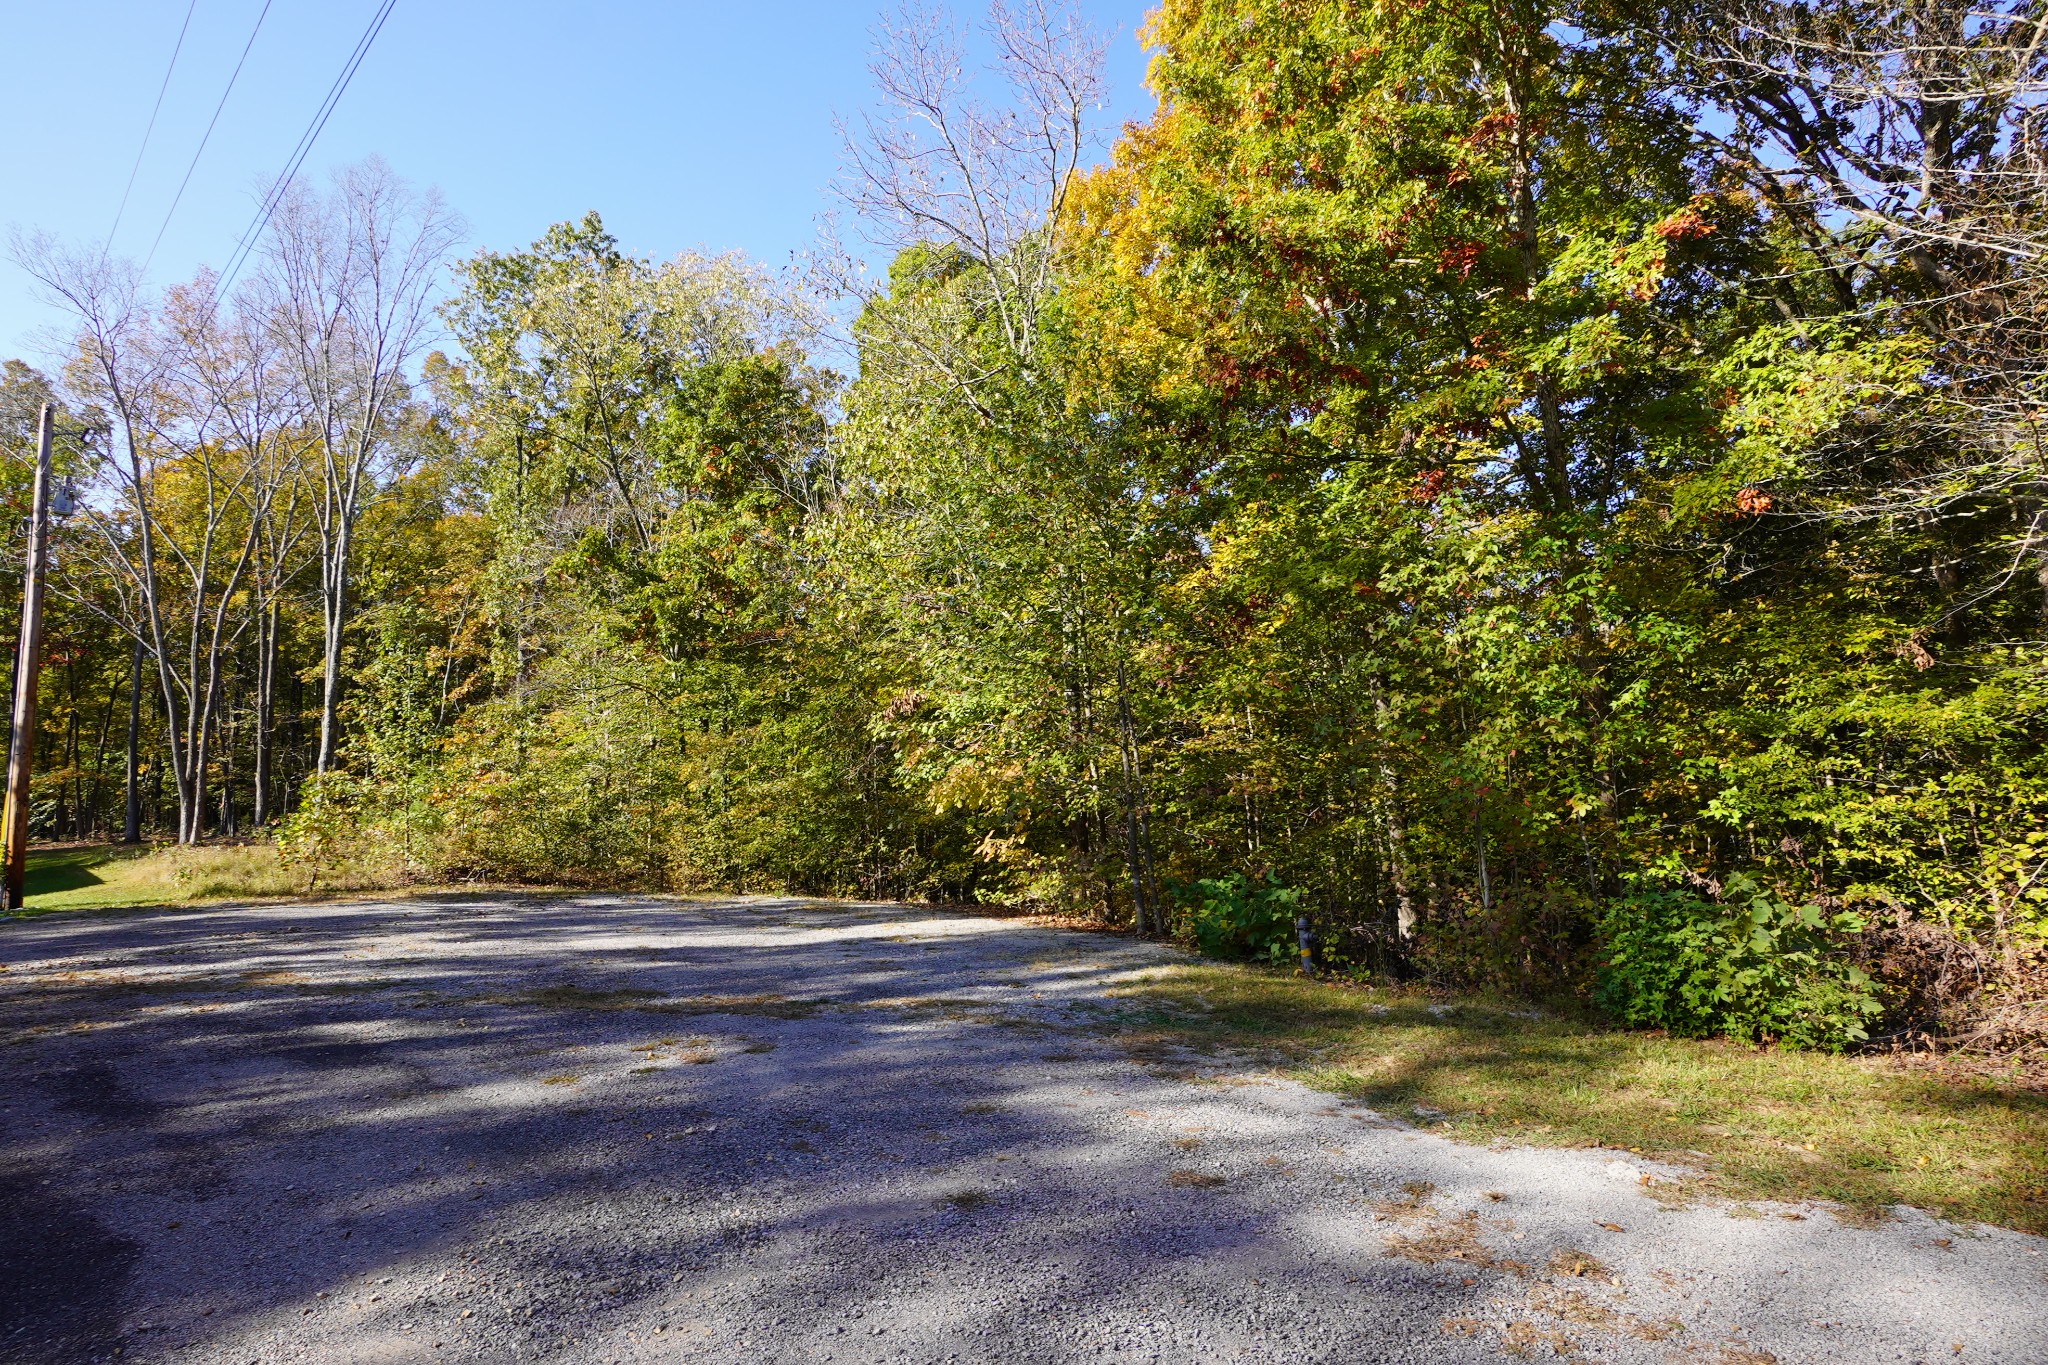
628	1128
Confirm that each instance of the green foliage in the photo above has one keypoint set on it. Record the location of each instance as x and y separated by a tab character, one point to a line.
1752	966
1419	466
1240	917
324	833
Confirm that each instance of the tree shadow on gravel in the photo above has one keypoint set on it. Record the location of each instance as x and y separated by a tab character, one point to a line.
467	1127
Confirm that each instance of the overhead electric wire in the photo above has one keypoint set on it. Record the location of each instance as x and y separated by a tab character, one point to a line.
233	76
154	110
304	147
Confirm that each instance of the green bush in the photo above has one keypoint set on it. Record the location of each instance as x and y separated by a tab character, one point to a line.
1753	967
1237	917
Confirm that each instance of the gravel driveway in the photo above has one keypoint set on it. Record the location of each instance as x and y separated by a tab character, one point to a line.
624	1128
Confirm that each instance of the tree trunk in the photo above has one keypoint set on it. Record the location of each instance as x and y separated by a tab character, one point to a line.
131	814
260	812
336	604
1146	915
99	765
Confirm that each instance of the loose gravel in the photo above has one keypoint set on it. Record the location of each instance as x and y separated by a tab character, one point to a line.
632	1128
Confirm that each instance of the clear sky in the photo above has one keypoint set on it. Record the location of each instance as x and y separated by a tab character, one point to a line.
687	124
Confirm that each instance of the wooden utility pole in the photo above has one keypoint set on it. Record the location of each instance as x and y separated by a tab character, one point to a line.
28	660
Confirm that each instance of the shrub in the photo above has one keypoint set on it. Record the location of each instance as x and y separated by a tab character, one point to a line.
1237	917
1753	967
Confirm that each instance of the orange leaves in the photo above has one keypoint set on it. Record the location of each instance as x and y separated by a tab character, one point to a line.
1682	226
1458	259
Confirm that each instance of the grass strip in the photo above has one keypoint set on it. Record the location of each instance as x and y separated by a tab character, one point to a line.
1864	1133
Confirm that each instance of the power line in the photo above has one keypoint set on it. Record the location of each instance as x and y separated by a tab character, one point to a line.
204	137
247	244
154	110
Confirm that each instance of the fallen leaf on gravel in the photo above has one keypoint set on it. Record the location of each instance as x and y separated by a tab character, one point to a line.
1579	1265
1193	1180
1522	1339
1743	1354
1414	1199
1612	1227
1456	1239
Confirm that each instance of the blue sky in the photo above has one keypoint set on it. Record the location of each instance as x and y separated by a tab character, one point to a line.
687	124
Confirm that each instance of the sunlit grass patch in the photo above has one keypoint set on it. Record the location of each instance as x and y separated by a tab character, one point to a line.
1861	1132
106	876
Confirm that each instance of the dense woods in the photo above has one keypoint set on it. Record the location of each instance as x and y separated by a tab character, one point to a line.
1553	494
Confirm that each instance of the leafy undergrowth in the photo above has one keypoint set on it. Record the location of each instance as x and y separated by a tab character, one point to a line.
1864	1133
101	876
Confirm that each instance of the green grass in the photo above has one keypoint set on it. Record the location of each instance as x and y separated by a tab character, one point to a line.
1863	1133
104	876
